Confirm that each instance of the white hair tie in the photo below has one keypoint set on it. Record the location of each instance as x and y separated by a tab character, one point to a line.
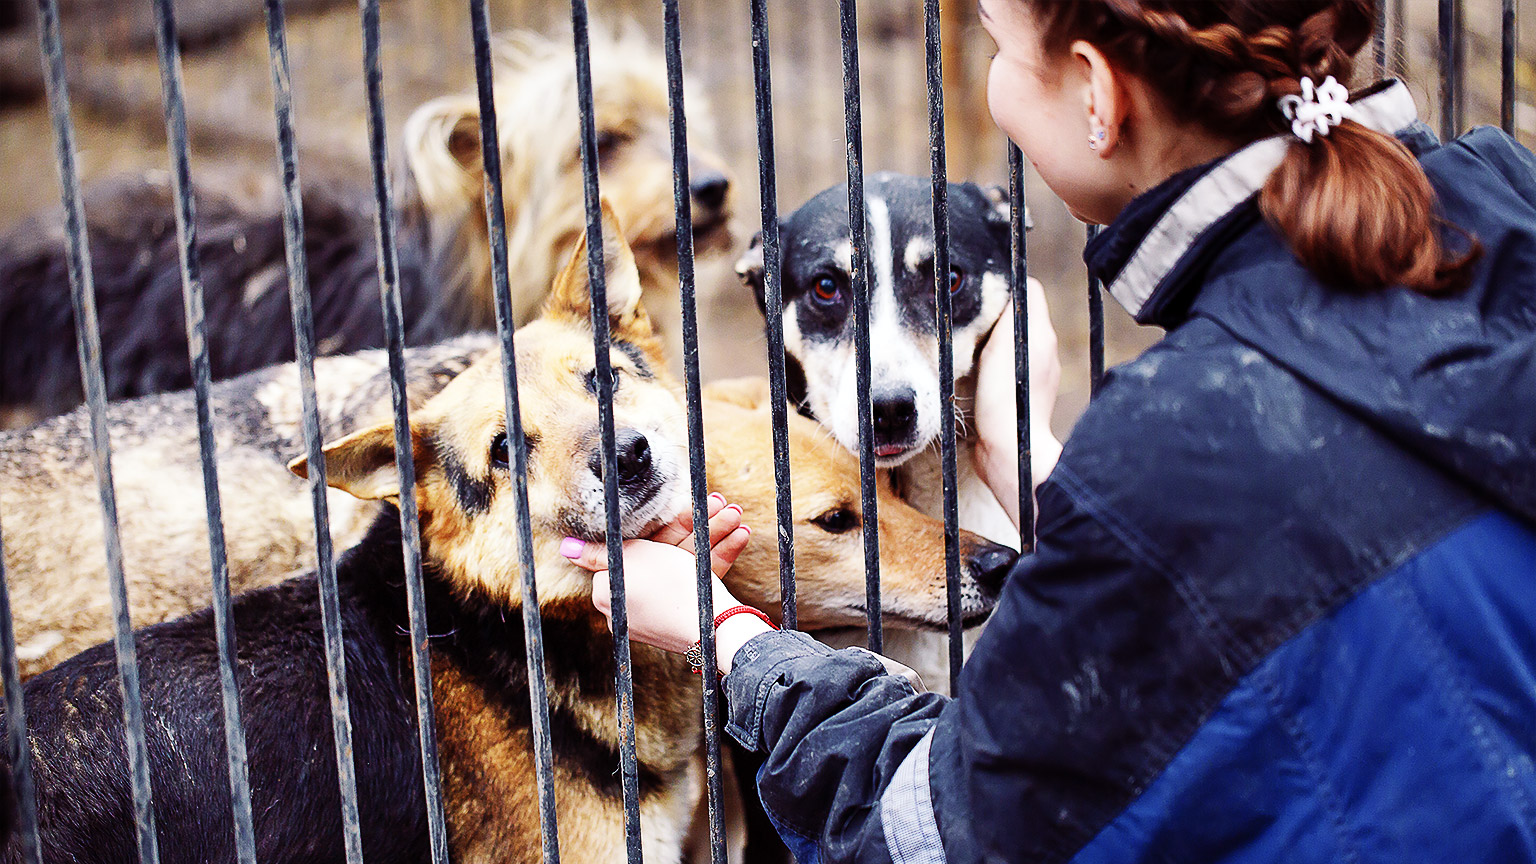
1318	109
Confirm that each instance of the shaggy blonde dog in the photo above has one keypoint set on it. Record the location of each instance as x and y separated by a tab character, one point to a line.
537	124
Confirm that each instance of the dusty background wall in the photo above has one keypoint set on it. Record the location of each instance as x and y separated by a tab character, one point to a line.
116	93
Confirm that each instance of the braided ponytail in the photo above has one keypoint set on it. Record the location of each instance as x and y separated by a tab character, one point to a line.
1354	206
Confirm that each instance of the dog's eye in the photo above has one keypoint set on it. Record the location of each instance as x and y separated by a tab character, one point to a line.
499	454
956	279
827	289
837	520
608	140
592	380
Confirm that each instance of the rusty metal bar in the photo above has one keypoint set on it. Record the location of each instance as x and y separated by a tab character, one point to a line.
197	351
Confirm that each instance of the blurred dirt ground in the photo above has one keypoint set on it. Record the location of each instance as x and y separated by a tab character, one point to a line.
116	91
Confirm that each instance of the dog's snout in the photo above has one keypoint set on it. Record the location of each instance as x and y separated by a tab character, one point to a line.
634	452
709	189
895	416
991	563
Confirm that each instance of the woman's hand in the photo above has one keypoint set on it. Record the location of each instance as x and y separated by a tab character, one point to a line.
997	453
661	582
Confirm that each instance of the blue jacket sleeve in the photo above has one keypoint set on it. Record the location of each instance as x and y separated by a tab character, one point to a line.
1053	723
835	727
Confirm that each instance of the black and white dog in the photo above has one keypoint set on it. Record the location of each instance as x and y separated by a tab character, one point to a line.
903	323
904	344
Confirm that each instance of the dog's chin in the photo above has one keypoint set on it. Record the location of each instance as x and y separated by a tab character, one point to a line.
900	619
637	519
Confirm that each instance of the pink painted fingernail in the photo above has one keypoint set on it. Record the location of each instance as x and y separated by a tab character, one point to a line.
746	529
571	547
716	496
736	507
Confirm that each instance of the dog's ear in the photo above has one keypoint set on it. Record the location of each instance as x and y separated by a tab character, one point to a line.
749	393
1000	210
442	148
361	464
750	269
571	296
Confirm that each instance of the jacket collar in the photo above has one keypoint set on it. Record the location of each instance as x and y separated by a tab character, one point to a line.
1159	243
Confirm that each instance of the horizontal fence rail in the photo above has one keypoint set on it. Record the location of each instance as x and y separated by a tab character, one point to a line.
1387	56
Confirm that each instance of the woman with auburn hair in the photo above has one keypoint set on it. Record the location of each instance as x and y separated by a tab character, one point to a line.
1283	602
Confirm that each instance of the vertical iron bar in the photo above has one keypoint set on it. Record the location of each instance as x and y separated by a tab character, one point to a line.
773	300
88	341
197	351
859	264
533	627
682	203
1450	68
945	311
624	689
1379	43
1509	39
405	462
1019	284
17	753
1399	17
304	345
1095	327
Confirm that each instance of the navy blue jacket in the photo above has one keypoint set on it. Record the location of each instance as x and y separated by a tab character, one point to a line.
1283	606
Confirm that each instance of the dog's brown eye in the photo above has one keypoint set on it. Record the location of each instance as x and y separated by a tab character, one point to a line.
837	520
956	279
608	139
826	289
499	455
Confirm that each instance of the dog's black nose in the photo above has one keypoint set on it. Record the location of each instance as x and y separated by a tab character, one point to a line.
991	563
634	453
895	416
710	188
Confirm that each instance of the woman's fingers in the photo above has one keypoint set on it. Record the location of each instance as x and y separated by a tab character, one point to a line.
587	556
727	549
681	529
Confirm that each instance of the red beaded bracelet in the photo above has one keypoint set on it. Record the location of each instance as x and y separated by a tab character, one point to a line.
695	652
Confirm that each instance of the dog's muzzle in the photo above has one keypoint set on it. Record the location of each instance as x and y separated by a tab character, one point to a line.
989	564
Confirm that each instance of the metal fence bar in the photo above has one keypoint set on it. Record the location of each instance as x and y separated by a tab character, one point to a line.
1095	327
405	462
944	303
1509	40
1398	15
17	753
624	686
304	350
773	302
1450	68
1018	279
517	444
88	342
1379	45
682	204
859	279
197	352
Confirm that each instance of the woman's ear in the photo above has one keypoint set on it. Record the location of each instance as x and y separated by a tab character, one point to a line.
1105	101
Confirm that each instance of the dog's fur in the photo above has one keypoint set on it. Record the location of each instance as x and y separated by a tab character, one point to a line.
442	238
473	587
818	338
470	557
